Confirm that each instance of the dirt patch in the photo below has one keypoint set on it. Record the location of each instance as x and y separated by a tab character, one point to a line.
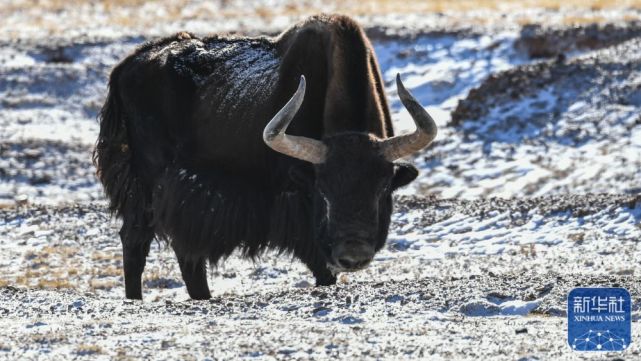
40	162
539	41
598	69
433	209
436	210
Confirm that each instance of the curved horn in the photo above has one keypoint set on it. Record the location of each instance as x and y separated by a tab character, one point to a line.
402	145
307	149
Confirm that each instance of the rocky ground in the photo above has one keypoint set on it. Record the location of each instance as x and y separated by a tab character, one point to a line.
531	189
64	296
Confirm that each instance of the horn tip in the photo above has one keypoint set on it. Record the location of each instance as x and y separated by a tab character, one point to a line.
399	83
301	84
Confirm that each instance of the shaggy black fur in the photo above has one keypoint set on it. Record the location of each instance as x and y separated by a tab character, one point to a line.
181	157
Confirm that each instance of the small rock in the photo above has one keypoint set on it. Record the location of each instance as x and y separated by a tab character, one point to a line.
303	284
350	320
395	298
321	311
21	199
479	308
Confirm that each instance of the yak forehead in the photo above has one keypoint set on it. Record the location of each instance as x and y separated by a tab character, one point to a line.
355	158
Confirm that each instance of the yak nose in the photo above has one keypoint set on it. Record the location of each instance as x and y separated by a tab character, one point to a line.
353	255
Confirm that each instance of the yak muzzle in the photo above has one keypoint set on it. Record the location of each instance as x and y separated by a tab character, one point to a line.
351	256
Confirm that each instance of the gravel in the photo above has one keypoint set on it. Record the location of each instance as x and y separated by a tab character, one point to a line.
63	293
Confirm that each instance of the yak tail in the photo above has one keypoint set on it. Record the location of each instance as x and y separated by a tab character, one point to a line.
112	155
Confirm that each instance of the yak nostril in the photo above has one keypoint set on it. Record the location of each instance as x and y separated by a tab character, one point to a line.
360	263
352	256
349	263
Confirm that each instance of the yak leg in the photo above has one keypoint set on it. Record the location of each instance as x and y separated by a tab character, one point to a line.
324	277
195	276
135	248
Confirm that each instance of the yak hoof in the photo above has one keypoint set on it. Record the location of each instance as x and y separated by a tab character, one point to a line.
200	297
326	281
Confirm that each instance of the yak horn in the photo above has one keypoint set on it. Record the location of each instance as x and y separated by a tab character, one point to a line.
402	145
307	149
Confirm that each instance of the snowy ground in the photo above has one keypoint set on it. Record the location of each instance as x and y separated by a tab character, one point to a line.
484	278
463	275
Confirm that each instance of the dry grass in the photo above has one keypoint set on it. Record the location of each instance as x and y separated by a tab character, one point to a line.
106	271
60	251
105	256
49	267
100	284
584	19
42	280
392	6
84	350
46	14
48	337
53	283
350	6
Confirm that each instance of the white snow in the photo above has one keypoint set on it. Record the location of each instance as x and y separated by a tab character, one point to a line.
441	69
485	308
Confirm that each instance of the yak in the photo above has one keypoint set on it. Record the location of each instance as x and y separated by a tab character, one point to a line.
190	151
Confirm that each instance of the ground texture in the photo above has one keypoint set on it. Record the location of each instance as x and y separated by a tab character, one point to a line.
416	300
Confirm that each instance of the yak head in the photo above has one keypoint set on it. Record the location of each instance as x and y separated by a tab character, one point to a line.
354	176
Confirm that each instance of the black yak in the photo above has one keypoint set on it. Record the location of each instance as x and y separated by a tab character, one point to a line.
187	151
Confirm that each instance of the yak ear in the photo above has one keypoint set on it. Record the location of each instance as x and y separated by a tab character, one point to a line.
404	173
302	175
